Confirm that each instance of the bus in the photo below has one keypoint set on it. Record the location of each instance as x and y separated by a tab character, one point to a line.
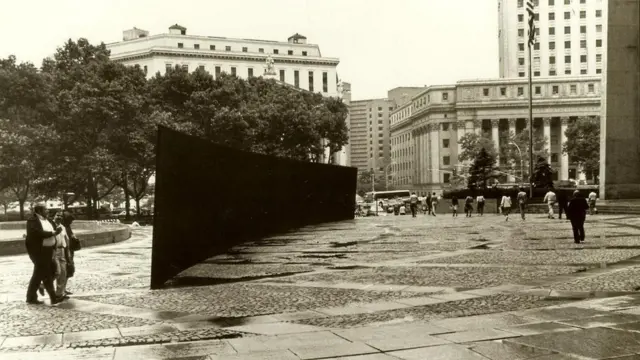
376	197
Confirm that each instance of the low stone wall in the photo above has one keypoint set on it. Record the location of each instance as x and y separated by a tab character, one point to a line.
96	234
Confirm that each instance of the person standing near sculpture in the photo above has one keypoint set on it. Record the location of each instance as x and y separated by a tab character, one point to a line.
40	243
577	212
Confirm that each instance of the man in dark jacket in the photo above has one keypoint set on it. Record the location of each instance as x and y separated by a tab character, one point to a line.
562	203
38	229
577	213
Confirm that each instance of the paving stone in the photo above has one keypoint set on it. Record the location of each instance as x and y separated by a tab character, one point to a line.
32	340
310	314
71	337
563	313
369	357
600	321
481	321
591	343
476	335
364	334
444	352
283	342
497	350
274	355
409	341
419	301
147	330
315	352
277	328
538	328
81	354
201	348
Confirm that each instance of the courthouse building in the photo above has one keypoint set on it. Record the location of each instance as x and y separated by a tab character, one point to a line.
425	131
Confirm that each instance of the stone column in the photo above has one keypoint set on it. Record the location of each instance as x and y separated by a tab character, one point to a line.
495	136
435	154
425	156
564	158
416	157
512	129
547	134
420	156
477	125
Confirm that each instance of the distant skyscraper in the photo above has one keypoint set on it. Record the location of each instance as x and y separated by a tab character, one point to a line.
569	38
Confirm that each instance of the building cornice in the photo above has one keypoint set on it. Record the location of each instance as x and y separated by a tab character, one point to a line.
223	55
210	38
525	102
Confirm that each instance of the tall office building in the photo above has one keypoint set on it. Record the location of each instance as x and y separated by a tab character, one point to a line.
569	38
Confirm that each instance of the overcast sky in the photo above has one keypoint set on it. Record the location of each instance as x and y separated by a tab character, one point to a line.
381	44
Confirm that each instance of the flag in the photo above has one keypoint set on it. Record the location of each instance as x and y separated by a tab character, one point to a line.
532	26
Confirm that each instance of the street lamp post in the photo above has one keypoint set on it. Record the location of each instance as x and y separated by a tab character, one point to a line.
521	160
386	175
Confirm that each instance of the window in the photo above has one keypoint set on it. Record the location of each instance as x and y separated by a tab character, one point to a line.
552	2
567	15
598	13
598	42
212	47
552	73
521	74
325	83
520	32
446	160
536	17
554	90
520	61
567	29
446	178
521	47
552	45
485	92
250	72
583	44
244	49
227	48
180	45
311	81
554	157
445	96
552	59
261	50
598	71
196	46
598	57
567	72
552	31
445	126
573	89
567	44
233	70
583	72
281	75
583	58
217	71
599	28
289	52
276	51
567	59
520	91
583	14
379	108
296	78
538	90
591	88
552	16
520	3
583	1
201	67
583	29
304	53
536	73
536	46
520	18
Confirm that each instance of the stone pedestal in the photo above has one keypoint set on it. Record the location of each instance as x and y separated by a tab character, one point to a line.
620	128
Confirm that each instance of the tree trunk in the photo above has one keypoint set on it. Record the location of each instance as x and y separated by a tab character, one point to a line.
138	208
21	202
126	199
89	197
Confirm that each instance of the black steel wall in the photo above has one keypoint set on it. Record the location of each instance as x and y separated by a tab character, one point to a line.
209	198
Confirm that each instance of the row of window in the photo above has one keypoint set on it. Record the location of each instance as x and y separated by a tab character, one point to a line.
551	2
553	72
567	15
567	59
407	112
552	31
296	75
244	49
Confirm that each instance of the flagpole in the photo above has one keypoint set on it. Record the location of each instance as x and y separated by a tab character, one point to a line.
530	127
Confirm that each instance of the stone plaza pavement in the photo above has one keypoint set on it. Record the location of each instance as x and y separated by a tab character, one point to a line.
388	287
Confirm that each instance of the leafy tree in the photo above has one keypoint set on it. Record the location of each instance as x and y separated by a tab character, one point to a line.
364	182
6	198
472	143
583	144
542	174
481	170
510	160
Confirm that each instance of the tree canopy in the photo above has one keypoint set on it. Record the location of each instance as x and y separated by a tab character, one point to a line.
482	170
583	144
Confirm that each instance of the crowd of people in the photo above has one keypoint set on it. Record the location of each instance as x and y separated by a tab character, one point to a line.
575	207
51	245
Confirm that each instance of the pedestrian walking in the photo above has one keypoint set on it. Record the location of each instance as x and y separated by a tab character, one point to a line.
434	203
550	199
577	211
498	196
428	201
413	204
505	204
75	245
39	242
522	202
454	206
468	206
61	258
562	203
592	203
480	200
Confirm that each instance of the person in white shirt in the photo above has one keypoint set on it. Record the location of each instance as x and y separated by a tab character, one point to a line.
505	204
550	199
61	258
480	208
592	203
